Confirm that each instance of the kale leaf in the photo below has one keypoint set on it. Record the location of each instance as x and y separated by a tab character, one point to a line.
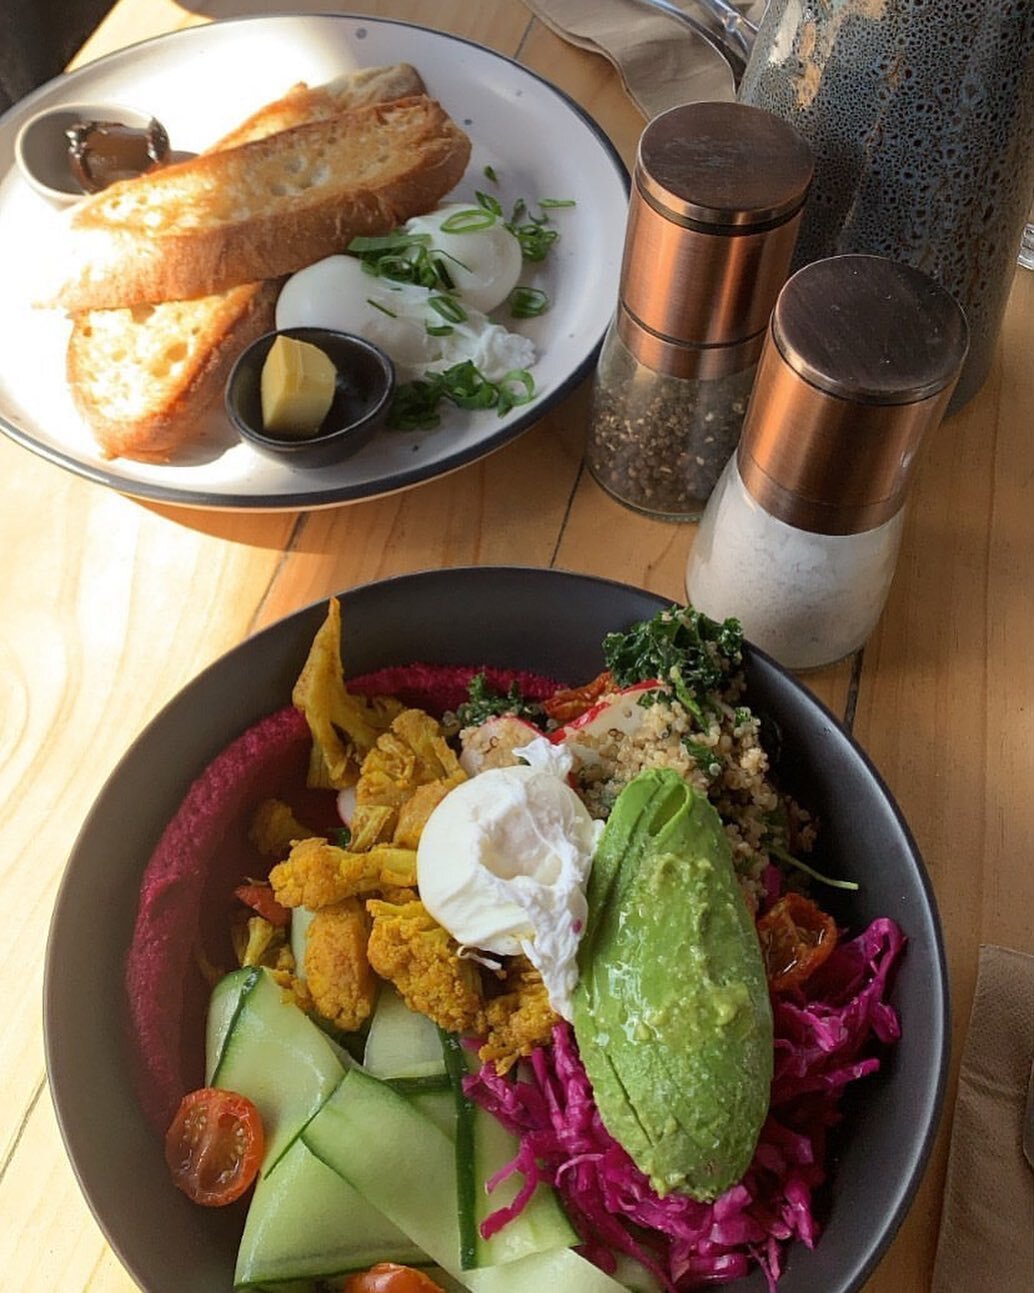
484	702
690	653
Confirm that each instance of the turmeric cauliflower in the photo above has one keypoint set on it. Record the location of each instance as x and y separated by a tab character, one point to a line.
338	977
317	874
408	772
343	727
409	948
520	1019
274	828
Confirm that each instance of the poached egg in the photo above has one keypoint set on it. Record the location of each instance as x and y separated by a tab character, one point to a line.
484	264
503	862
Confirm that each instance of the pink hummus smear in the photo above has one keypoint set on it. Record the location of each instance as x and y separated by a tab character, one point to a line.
203	854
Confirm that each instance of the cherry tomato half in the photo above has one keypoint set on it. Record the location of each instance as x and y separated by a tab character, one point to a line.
215	1145
389	1278
796	938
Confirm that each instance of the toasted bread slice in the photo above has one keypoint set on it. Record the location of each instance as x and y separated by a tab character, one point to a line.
265	208
315	103
143	375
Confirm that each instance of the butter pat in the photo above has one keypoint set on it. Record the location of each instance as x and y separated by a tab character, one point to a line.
297	388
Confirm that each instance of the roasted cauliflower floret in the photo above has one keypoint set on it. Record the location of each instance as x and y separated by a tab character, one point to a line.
317	874
520	1019
274	828
257	941
409	770
338	977
343	727
409	948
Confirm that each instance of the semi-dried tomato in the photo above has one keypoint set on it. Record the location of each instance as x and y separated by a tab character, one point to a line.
571	703
796	937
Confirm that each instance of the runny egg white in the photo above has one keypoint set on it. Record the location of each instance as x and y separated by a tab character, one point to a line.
484	265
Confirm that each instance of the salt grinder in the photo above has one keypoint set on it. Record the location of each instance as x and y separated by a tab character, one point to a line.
801	535
716	202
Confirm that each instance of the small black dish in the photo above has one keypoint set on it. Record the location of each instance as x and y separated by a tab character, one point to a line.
364	388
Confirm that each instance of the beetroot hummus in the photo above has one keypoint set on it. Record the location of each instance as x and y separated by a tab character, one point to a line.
204	853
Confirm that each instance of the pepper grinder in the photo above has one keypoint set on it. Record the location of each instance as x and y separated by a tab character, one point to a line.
717	195
800	537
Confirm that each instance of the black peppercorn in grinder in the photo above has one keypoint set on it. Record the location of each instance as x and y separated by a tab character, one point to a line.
717	195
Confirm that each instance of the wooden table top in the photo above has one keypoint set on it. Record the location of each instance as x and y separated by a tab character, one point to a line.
111	605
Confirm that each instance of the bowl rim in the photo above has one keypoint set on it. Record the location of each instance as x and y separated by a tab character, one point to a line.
929	1108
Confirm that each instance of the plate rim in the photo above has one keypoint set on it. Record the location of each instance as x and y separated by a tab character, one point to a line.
306	500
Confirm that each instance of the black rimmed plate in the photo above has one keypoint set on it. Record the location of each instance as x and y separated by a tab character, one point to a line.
551	623
536	141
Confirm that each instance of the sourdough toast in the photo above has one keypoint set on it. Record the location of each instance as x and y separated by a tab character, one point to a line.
315	103
265	208
142	375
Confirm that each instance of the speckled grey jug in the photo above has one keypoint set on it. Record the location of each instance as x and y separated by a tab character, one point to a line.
921	116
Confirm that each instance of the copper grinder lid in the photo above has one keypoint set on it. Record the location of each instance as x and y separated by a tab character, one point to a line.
723	164
716	203
860	360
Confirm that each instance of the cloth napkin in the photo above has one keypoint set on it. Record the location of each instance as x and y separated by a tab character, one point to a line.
662	62
986	1238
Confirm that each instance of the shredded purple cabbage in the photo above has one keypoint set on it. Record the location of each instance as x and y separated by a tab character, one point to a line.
823	1037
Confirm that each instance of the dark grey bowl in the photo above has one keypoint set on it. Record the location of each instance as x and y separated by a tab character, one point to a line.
362	397
552	623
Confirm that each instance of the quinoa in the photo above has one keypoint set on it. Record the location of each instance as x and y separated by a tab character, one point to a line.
723	759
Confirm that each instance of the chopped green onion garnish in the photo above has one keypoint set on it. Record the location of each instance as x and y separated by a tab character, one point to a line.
415	407
383	308
439	329
528	302
489	203
387	242
491	175
556	202
468	220
449	308
510	398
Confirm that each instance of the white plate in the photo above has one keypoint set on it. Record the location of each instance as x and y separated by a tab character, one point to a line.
200	83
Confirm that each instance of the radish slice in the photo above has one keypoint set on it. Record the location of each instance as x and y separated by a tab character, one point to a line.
346	804
620	713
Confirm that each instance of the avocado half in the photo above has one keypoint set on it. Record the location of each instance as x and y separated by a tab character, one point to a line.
672	1013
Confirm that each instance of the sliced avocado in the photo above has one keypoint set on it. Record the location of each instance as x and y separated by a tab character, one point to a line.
672	1013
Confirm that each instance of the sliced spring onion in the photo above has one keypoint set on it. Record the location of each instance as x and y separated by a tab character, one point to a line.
416	404
547	203
439	329
449	308
527	302
394	241
383	308
468	220
517	387
491	175
489	203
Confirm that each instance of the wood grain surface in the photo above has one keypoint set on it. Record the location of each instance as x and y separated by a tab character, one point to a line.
109	606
